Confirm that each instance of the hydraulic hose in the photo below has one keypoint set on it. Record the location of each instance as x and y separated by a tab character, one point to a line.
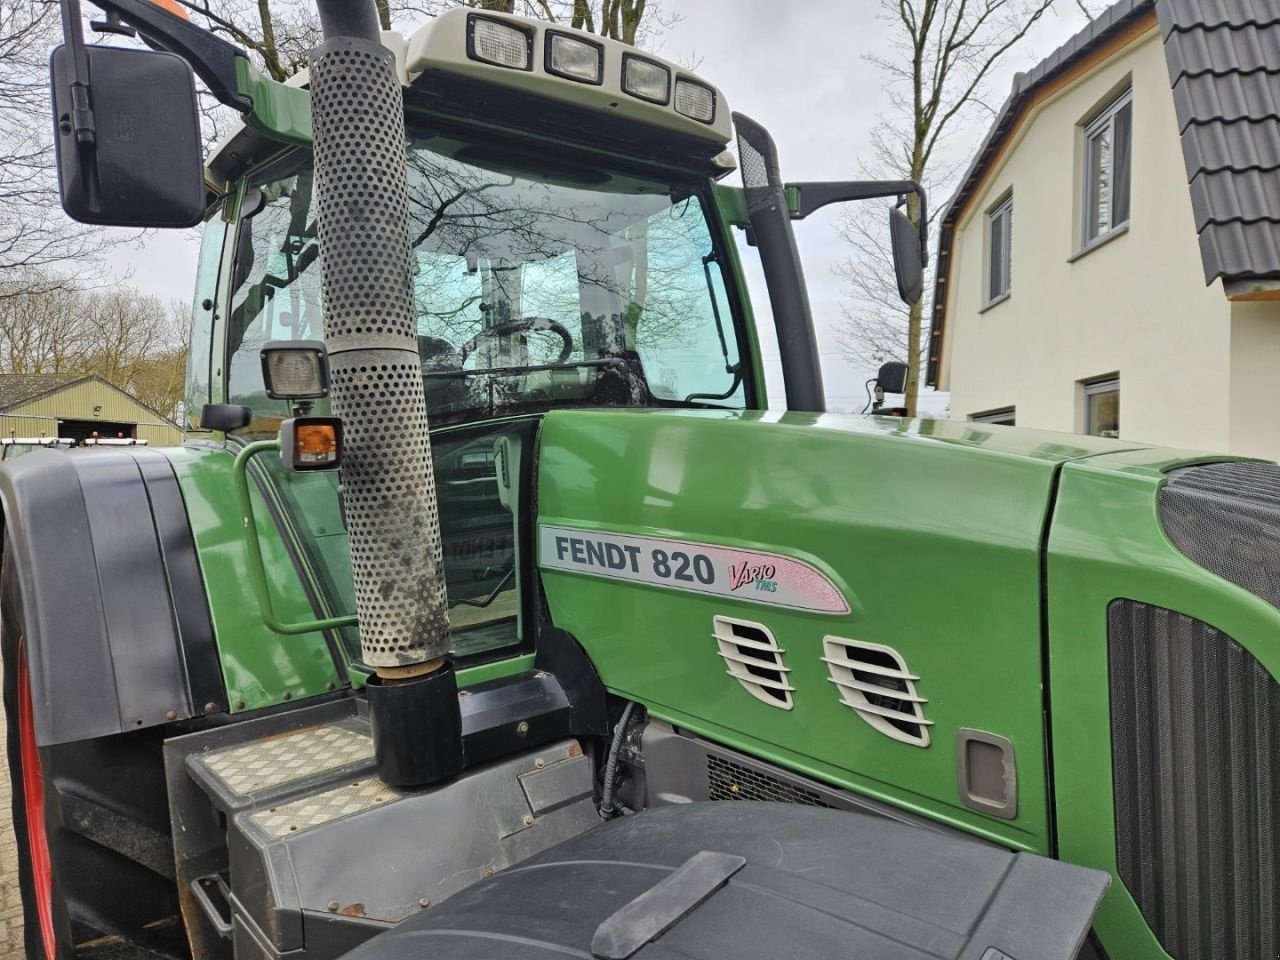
611	765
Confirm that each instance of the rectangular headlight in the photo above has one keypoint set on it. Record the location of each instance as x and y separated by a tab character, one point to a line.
695	100
499	43
295	369
646	79
574	59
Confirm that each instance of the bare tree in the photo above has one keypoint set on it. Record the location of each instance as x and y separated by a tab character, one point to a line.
33	231
937	70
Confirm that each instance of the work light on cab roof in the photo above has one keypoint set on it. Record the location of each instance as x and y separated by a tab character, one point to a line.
571	66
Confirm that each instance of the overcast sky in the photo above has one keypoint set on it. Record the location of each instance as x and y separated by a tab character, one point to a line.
798	69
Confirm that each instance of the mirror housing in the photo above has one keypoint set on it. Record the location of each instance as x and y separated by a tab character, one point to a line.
140	162
908	261
892	377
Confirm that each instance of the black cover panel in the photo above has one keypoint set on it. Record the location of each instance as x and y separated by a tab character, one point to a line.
816	884
1226	517
1194	725
119	634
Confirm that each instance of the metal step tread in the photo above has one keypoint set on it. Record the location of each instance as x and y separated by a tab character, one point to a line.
248	774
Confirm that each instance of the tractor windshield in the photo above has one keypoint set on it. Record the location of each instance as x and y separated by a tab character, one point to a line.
539	284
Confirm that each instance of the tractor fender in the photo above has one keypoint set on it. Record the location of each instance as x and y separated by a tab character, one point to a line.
119	635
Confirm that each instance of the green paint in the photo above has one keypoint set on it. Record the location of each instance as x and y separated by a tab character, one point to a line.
259	666
256	569
732	203
931	530
280	111
1107	543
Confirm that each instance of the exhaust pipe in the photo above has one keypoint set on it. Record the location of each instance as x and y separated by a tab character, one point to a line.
387	483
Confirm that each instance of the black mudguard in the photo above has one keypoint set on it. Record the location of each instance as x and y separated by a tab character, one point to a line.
119	636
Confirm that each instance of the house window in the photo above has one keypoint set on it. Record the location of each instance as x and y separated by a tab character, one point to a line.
999	250
1102	407
1005	416
1108	139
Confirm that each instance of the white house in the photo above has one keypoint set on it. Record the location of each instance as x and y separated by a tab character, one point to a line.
1111	261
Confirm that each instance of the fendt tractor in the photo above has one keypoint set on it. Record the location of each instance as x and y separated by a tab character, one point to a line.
613	660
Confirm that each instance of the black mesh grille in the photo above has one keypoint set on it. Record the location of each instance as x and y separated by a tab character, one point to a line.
727	780
1195	723
1226	517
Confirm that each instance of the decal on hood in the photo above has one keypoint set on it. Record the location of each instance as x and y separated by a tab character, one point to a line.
695	567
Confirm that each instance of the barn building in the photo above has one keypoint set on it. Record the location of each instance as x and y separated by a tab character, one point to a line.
77	406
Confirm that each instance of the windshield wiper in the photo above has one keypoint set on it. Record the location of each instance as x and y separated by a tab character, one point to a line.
610	362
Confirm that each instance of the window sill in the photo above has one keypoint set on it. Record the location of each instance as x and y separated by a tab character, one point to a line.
1097	242
995	303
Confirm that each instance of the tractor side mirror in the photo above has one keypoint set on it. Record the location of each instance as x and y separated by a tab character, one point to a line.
128	138
892	377
908	262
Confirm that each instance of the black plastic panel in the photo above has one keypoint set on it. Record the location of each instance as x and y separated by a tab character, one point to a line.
117	619
1226	517
816	884
1195	726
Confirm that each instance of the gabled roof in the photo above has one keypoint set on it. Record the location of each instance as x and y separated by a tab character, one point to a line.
20	388
1224	72
1224	67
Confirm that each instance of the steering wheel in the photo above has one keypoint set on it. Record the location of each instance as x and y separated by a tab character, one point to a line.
523	325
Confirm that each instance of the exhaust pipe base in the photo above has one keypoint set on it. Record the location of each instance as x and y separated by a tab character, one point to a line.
417	728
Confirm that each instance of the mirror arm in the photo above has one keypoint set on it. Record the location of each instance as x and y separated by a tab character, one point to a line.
818	194
82	109
212	58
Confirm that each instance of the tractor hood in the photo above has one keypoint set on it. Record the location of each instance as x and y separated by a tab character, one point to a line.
732	570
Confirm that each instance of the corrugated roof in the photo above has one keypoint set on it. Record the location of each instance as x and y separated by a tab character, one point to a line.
17	388
1224	68
1224	73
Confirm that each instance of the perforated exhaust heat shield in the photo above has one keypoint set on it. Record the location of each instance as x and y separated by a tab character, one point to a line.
388	485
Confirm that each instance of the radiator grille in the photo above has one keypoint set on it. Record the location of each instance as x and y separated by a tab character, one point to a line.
727	780
1195	725
1226	517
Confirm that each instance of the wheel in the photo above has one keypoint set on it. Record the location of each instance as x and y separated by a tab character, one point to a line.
525	325
95	860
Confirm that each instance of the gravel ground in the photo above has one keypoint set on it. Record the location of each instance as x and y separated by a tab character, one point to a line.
10	900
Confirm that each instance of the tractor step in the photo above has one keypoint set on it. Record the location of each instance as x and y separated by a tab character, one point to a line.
290	844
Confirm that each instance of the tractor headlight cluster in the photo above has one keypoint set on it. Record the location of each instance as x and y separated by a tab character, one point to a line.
574	58
499	43
645	79
695	100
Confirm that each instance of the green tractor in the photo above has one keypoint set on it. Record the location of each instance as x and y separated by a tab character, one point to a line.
605	659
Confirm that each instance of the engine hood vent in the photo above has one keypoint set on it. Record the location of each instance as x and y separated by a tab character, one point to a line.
754	659
875	681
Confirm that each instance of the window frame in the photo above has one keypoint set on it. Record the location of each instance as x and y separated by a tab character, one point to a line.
998	416
1102	120
1003	208
1092	389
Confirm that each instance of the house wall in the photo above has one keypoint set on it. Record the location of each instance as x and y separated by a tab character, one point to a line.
77	402
1136	305
1253	389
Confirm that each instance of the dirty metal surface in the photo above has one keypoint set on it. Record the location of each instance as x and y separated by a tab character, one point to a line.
275	762
321	808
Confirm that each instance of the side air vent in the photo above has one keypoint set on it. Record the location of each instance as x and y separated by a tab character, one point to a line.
754	659
727	780
875	682
1195	753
